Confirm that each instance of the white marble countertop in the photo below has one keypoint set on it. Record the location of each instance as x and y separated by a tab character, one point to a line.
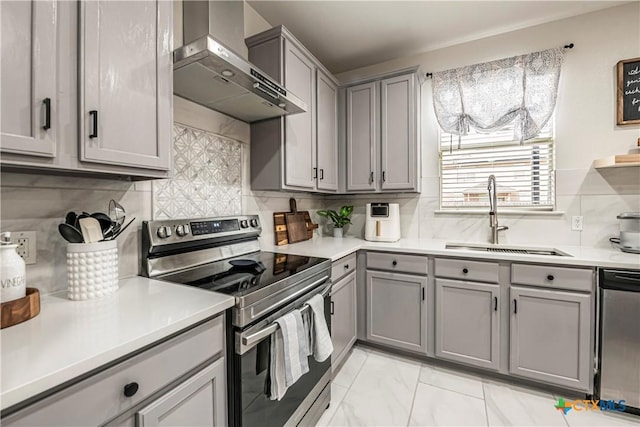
71	338
336	248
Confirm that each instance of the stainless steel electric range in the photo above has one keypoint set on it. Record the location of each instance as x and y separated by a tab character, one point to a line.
223	255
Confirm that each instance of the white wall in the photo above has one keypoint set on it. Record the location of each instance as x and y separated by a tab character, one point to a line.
585	130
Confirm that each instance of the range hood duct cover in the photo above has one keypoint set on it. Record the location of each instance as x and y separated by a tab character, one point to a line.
207	72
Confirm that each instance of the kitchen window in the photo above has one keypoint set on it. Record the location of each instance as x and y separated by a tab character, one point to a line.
524	170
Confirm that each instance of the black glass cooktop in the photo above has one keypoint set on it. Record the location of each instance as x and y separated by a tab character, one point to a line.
244	274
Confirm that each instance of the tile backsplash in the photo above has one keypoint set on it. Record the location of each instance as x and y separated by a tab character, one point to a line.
207	177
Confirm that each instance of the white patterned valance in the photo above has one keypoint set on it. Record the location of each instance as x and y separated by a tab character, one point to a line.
490	95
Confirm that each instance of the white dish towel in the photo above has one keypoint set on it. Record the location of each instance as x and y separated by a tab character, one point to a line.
321	345
288	354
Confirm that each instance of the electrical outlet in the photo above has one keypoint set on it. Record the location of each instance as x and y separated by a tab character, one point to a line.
576	223
26	241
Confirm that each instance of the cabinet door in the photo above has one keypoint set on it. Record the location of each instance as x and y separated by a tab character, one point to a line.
125	108
468	322
395	310
362	137
327	124
198	401
399	139
28	69
550	336
343	317
300	134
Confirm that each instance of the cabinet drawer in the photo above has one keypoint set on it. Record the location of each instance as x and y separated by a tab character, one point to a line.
397	262
578	279
467	270
342	267
101	397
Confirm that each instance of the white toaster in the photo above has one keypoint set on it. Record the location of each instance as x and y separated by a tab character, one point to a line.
383	222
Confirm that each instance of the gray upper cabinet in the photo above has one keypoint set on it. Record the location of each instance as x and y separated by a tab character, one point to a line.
343	318
298	151
198	401
399	133
551	336
28	97
382	134
327	134
125	112
395	310
362	137
468	322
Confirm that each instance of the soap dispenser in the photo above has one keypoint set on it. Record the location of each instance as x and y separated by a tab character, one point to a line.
12	270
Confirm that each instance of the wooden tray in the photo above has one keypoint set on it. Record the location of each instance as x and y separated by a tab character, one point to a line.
280	227
20	310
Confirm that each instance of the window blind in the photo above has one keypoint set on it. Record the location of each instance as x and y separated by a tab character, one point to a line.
524	171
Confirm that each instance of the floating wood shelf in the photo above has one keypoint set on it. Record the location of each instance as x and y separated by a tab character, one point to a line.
619	161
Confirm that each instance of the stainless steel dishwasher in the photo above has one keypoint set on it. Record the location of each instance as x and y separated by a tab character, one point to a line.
619	377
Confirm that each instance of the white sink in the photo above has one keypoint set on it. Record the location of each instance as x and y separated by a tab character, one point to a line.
525	250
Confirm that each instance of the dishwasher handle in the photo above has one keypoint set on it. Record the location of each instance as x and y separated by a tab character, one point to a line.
621	280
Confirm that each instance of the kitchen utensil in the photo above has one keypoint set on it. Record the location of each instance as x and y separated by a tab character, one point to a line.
70	218
104	220
296	226
116	212
91	231
70	233
280	227
78	218
119	230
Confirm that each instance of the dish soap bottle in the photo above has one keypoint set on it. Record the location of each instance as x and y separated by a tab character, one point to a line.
12	270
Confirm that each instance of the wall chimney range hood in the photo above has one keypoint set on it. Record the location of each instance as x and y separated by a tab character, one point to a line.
208	73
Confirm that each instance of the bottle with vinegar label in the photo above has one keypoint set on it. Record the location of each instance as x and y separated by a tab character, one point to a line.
12	270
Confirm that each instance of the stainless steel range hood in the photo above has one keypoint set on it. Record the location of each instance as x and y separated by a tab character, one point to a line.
208	73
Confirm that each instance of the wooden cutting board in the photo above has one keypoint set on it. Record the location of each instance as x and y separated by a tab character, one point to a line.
280	227
296	226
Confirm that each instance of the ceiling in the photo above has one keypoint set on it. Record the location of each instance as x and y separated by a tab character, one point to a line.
345	35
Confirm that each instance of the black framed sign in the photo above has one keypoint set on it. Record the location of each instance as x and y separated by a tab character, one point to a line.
629	91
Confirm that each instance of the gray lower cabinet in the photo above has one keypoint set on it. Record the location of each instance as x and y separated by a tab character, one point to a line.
198	401
343	317
468	322
396	310
125	111
28	35
551	336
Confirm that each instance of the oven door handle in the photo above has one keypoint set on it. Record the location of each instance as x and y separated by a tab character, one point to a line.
256	337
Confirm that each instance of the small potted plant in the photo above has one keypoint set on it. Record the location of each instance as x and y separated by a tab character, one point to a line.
340	219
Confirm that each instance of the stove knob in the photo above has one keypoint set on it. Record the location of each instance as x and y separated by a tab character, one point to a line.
254	222
162	232
244	224
182	230
168	231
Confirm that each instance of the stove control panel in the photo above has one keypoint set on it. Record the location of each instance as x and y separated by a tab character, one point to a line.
163	232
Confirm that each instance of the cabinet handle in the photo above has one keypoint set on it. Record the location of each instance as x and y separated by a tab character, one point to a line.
47	113
394	263
131	389
465	271
315	173
515	306
321	173
94	116
332	307
346	266
384	176
550	277
371	178
495	303
422	294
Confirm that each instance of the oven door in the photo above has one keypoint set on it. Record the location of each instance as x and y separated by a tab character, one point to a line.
249	404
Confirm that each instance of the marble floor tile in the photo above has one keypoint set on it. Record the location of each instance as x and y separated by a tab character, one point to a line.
381	395
350	368
434	406
509	405
337	394
450	380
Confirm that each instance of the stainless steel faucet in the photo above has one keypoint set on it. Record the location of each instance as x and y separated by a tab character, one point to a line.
493	210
